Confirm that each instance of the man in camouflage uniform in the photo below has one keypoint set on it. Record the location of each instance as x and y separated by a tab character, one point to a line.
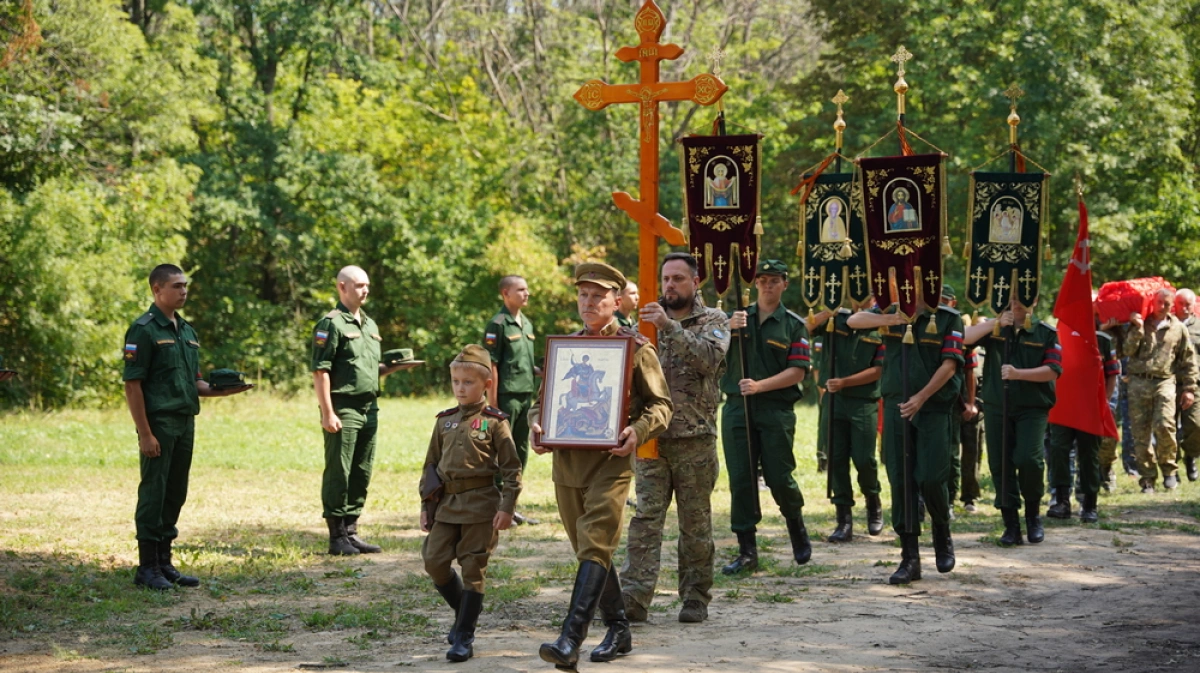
1161	364
692	341
1185	302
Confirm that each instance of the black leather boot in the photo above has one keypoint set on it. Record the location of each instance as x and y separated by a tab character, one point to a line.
618	640
1012	527
169	572
1061	509
747	559
874	515
845	525
1189	464
148	573
463	634
356	541
1033	525
451	593
943	547
1087	512
339	542
801	547
589	582
909	569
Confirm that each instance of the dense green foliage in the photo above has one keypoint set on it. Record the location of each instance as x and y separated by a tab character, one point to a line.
263	144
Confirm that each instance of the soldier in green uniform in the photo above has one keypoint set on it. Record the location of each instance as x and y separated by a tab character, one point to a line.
778	359
471	445
692	340
509	339
1162	366
346	372
1021	364
628	305
934	362
163	388
1185	302
850	369
591	486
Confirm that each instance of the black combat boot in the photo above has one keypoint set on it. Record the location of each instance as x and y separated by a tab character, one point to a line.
612	609
1012	527
747	558
798	534
463	634
451	593
1061	509
589	582
874	515
339	542
148	573
169	572
943	548
845	525
1033	525
1189	464
1087	512
356	541
909	569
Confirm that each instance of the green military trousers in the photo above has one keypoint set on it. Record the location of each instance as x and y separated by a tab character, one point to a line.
516	405
1022	467
929	470
852	428
349	455
775	427
164	485
1088	459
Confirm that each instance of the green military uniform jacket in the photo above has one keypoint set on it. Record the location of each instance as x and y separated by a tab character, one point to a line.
165	357
349	350
1031	349
856	351
692	354
511	347
779	342
473	442
1163	353
650	410
925	357
624	320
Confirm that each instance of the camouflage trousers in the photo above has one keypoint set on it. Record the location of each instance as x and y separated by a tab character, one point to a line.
1190	442
686	468
1152	410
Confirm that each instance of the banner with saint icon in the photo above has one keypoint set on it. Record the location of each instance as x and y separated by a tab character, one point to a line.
904	209
721	186
1005	212
833	243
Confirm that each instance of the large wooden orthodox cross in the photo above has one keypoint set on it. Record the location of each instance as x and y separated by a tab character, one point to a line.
704	89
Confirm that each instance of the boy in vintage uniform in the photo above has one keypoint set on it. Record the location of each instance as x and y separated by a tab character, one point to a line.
471	443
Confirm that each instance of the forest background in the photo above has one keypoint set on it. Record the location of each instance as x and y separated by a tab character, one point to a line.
263	144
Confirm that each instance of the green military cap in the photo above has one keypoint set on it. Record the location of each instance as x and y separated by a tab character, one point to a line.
396	356
772	267
225	378
476	354
948	291
600	274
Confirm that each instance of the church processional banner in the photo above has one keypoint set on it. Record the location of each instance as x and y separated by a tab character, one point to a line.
721	186
904	209
1006	213
833	243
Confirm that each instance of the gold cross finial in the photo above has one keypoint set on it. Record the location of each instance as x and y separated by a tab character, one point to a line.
901	56
840	124
1012	93
715	57
840	98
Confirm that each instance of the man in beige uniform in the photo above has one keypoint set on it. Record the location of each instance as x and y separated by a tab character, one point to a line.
591	486
1189	442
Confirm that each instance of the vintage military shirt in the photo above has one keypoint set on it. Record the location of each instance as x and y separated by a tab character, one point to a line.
779	342
470	442
511	346
692	354
349	350
925	356
1162	351
855	351
165	357
1030	349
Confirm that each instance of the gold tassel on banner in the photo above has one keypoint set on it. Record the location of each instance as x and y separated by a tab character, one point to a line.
1028	321
966	250
908	337
846	252
800	249
811	317
829	325
932	327
758	230
1049	254
946	249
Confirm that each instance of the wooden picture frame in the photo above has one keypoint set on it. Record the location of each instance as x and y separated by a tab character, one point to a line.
585	396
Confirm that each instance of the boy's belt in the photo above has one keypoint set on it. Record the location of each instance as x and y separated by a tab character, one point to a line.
463	485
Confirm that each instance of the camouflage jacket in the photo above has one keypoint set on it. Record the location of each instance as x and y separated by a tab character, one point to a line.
1193	327
692	354
1162	351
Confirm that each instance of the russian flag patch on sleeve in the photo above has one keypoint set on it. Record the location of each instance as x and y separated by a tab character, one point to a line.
130	352
321	338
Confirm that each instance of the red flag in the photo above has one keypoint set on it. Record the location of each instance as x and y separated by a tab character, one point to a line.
1082	403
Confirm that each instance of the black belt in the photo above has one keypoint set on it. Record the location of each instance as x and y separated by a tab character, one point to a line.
1147	376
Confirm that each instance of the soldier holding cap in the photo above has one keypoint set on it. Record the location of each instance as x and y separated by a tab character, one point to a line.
777	344
346	371
163	388
591	486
